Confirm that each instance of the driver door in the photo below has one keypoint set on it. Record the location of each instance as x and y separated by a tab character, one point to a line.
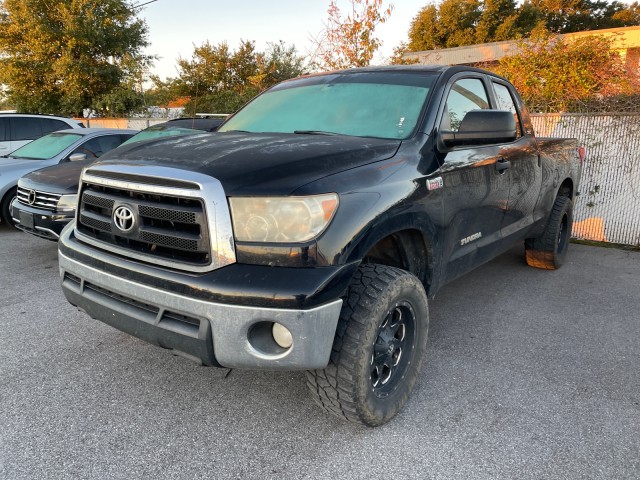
476	187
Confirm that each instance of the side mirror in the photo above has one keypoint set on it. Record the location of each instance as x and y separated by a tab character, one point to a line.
77	157
481	127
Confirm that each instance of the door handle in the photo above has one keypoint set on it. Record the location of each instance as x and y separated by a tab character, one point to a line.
502	165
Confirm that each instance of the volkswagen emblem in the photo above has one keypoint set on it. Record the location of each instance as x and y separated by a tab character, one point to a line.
123	218
32	197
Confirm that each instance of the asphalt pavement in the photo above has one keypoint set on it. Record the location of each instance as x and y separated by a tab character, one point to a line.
530	374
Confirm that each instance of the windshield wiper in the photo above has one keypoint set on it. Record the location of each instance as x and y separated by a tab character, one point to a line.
314	132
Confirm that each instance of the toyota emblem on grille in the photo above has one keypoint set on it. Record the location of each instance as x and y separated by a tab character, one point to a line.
32	197
123	218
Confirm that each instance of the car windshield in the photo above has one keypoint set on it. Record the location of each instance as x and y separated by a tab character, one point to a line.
366	104
157	132
46	147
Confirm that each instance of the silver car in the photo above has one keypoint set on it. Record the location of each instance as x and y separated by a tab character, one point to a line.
58	147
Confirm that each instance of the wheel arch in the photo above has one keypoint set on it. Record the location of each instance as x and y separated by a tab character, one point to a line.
405	242
6	196
566	189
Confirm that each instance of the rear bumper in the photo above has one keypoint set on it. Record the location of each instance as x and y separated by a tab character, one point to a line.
233	336
46	224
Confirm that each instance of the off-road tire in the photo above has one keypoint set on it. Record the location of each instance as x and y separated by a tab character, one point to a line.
549	250
377	297
4	206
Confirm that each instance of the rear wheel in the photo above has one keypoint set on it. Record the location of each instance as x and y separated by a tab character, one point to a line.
4	206
549	250
379	347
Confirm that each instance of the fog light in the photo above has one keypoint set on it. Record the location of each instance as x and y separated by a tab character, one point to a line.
282	335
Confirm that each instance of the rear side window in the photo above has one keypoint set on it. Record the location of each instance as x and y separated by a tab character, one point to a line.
25	128
505	102
4	130
98	146
50	125
465	95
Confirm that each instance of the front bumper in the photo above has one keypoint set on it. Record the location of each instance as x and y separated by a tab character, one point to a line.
39	222
233	336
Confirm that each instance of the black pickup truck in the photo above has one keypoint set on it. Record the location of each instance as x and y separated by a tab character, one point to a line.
310	230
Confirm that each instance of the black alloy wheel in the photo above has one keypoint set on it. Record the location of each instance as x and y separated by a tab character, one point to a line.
395	337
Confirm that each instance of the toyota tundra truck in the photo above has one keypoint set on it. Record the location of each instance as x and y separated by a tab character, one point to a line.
309	232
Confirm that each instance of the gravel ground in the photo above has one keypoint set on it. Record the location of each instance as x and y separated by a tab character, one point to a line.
530	374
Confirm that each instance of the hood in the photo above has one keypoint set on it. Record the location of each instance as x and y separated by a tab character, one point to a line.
62	178
258	163
10	163
12	169
4	162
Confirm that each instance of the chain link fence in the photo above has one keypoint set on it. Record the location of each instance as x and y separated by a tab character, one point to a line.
608	208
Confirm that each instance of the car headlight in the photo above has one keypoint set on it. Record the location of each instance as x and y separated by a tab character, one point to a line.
281	219
67	203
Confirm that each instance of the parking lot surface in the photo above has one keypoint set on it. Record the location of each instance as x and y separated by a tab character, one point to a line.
530	374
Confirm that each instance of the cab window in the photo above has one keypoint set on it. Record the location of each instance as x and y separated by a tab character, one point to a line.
465	95
505	102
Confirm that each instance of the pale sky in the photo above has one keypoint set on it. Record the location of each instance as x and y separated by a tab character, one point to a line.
175	26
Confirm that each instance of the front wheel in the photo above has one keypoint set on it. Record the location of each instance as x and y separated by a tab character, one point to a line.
549	250
6	203
379	347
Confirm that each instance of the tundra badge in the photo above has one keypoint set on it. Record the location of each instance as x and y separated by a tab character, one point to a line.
471	238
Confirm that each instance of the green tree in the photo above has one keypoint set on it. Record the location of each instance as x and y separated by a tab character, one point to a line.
455	23
555	74
629	15
498	21
349	41
62	56
566	16
423	30
218	79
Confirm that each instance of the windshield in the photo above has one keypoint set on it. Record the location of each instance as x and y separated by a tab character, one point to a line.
46	147
157	132
368	104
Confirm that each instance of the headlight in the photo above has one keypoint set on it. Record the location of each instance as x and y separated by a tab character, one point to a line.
281	219
67	203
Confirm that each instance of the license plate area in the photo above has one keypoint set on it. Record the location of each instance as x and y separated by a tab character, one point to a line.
26	220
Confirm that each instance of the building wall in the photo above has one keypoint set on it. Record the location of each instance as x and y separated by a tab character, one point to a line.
626	40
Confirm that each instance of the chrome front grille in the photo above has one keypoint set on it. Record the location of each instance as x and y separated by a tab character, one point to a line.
167	227
37	199
187	227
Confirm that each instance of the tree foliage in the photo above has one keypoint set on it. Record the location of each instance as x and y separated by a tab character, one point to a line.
61	56
455	23
349	41
218	79
555	74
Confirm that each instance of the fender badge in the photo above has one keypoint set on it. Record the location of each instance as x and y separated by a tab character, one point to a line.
471	238
435	183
